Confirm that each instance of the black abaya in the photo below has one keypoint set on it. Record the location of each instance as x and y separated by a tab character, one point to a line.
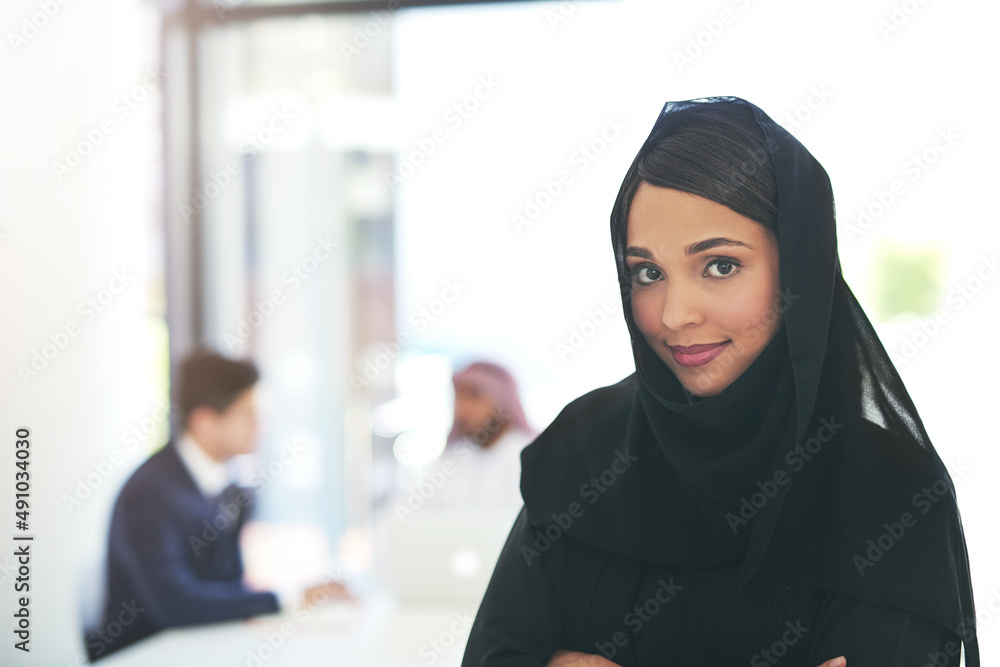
581	598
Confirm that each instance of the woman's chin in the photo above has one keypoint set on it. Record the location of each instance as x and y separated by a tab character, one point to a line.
702	391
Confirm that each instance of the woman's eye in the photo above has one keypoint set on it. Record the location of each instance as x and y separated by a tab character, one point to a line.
645	274
725	268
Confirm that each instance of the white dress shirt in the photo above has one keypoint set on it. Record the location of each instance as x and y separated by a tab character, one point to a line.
211	476
482	478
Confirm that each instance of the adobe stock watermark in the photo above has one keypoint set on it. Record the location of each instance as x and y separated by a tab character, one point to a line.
760	156
924	500
454	117
794	119
913	167
957	470
102	470
966	630
591	490
797	118
778	649
561	13
240	498
722	364
88	309
223	7
263	309
429	485
711	30
272	642
419	321
269	645
264	475
101	640
899	15
960	295
580	334
582	157
8	568
434	480
220	179
373	27
33	23
795	459
435	647
639	616
121	108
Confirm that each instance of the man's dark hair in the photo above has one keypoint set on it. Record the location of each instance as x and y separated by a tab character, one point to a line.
211	380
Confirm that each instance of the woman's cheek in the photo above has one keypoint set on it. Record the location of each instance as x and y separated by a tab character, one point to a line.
752	316
646	314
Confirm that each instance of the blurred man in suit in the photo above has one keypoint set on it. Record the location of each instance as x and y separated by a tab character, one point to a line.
173	549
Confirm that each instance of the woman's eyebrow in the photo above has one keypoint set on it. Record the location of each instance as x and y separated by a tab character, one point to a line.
636	251
693	249
708	244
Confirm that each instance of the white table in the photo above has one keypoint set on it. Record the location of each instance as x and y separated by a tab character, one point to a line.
375	632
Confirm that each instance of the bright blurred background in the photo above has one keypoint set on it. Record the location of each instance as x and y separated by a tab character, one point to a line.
364	200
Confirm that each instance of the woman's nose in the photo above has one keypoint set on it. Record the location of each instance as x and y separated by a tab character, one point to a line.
682	307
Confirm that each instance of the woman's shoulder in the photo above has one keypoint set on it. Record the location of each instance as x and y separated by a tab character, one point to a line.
596	406
583	428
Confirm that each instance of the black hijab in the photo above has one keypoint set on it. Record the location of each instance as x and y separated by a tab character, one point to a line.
812	466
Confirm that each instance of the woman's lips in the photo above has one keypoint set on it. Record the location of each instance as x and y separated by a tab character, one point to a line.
697	355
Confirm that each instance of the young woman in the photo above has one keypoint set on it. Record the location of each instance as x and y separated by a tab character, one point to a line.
761	491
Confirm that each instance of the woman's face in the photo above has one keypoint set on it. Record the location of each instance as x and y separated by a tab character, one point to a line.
702	275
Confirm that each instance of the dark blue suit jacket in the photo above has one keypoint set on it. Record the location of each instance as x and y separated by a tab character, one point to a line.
173	556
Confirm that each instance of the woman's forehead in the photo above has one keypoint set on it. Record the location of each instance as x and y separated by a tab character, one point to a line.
664	216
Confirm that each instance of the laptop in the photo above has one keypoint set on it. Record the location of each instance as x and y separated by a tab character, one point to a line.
446	556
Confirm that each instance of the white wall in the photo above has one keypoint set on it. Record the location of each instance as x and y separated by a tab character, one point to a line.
61	242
